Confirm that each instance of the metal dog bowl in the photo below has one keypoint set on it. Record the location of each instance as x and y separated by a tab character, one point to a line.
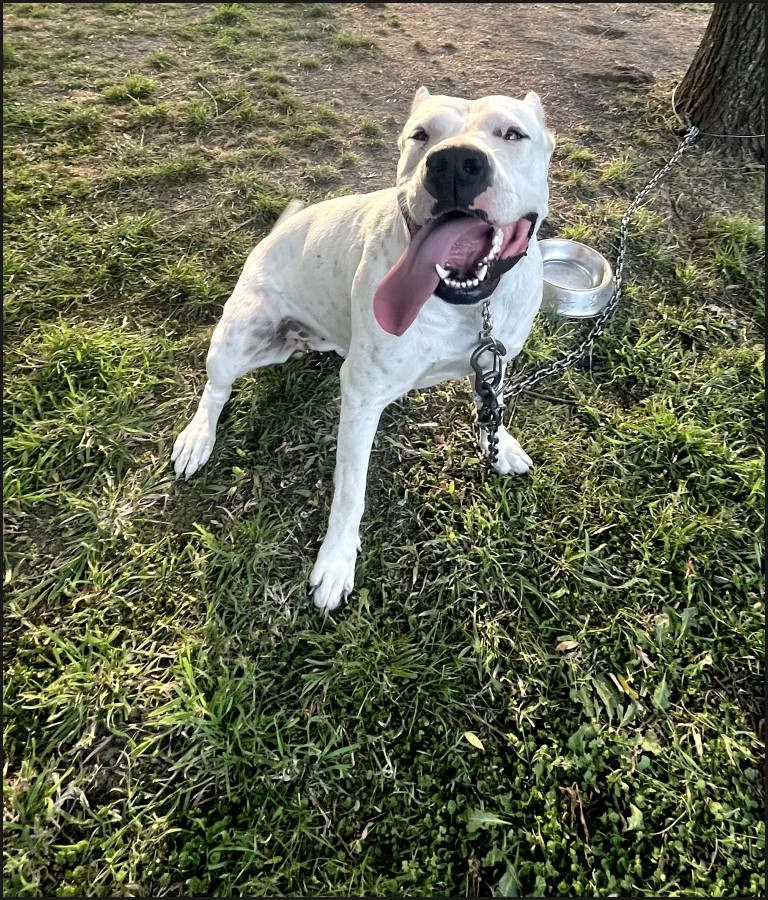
578	281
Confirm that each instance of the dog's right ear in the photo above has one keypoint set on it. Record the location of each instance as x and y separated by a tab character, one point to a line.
420	96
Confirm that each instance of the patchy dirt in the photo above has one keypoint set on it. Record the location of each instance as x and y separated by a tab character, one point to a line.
577	56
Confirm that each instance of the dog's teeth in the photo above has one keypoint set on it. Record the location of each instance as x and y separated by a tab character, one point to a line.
482	272
443	273
461	285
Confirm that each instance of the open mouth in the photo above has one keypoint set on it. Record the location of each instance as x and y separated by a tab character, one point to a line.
459	257
482	253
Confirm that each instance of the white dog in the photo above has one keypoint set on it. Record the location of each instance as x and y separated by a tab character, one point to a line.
392	281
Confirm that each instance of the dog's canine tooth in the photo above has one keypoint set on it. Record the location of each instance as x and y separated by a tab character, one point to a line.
482	272
443	273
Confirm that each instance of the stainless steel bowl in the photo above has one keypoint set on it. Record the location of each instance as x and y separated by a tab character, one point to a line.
578	281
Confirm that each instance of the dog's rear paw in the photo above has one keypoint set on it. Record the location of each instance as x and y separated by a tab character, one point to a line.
512	459
332	578
192	448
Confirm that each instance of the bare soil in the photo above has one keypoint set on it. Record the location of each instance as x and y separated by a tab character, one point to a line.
576	56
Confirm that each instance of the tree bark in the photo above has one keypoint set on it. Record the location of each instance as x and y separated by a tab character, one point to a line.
723	90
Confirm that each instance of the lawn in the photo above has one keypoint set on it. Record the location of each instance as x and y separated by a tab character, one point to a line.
546	686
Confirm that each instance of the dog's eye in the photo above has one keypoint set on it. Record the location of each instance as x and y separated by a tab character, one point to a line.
419	135
514	134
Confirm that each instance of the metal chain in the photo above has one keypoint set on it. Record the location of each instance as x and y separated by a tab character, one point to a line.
585	346
487	320
489	383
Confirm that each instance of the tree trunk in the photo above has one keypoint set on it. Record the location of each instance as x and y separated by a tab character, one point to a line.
723	90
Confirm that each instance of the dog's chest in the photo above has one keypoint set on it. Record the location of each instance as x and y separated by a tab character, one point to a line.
441	354
445	337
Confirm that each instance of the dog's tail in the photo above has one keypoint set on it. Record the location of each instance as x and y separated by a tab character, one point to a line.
293	207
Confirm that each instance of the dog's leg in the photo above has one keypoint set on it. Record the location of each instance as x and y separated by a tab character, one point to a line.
243	340
512	459
332	578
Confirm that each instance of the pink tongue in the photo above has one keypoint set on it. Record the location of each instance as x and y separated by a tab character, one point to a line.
413	279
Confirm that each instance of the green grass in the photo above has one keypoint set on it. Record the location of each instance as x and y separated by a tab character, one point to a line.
162	59
371	131
321	174
347	44
230	14
133	87
198	114
177	170
549	686
10	56
348	41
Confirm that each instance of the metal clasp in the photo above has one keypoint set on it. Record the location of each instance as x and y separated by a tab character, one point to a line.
488	382
488	379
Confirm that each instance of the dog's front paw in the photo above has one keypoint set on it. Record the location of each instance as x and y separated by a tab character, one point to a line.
512	459
192	448
333	576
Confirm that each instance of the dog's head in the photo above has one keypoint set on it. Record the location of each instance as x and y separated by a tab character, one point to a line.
472	187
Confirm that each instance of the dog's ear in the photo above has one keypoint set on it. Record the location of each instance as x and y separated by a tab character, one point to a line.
420	96
533	100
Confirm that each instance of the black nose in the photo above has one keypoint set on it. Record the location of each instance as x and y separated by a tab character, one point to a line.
456	175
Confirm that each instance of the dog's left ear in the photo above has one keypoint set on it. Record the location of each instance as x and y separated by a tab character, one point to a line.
419	97
533	100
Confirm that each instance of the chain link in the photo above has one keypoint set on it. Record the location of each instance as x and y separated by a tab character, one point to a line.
517	388
489	384
487	320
